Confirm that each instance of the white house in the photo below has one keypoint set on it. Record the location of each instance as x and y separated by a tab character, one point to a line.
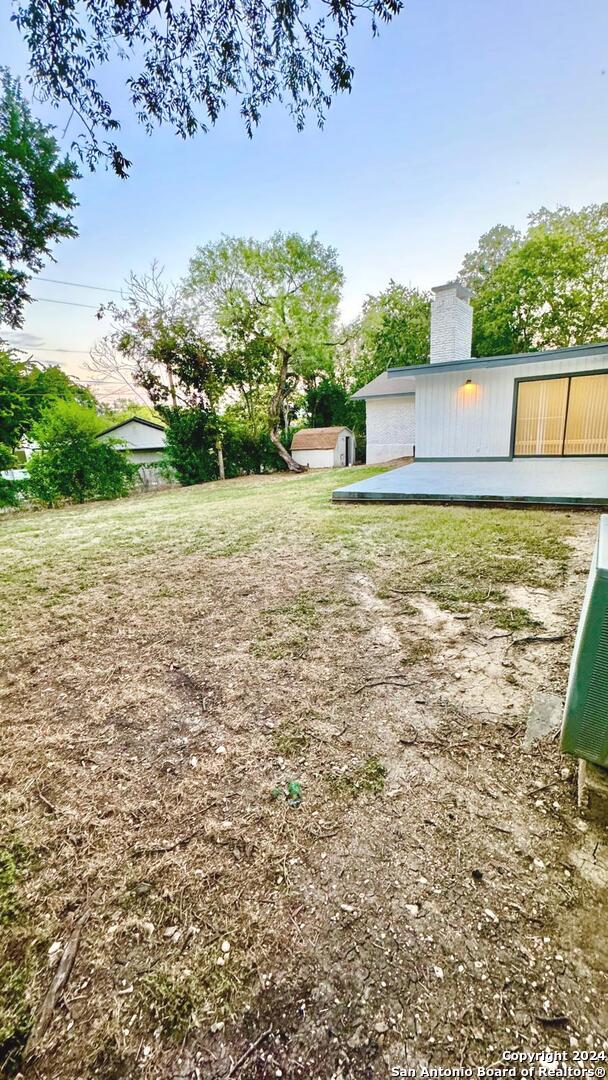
324	448
526	428
142	440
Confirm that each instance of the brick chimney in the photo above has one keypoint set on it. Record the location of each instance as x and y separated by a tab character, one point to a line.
451	323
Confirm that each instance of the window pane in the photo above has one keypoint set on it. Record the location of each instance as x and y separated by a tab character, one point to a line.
587	428
541	416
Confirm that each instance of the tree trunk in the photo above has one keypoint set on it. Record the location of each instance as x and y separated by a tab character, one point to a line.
274	417
220	461
171	386
292	465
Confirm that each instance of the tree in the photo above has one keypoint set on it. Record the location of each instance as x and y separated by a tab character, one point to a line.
277	299
187	61
51	383
156	344
26	390
394	331
15	400
36	198
549	291
492	248
72	464
329	404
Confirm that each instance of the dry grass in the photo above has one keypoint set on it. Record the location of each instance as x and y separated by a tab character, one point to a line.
173	665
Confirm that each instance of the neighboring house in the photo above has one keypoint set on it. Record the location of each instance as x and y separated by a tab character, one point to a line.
324	448
390	417
142	440
527	428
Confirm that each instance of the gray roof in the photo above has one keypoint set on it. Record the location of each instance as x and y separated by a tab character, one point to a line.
382	386
132	420
396	374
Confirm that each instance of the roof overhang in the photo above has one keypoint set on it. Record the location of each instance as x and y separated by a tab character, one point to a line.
513	360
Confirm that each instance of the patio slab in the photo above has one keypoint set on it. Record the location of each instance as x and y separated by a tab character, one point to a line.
523	482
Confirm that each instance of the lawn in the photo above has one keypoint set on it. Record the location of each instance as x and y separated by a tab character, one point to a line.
267	754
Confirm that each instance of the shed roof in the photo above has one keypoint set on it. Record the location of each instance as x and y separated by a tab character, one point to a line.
132	420
383	386
317	438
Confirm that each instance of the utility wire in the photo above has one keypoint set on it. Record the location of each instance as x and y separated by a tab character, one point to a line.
70	303
48	348
78	285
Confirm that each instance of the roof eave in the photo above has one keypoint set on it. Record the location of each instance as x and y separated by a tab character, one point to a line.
512	360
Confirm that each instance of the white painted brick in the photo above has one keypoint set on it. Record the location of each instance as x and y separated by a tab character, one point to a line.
390	428
451	324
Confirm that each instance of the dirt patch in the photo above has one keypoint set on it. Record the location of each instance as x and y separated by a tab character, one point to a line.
431	897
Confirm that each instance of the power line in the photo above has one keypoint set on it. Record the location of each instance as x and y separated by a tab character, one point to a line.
70	303
79	285
49	348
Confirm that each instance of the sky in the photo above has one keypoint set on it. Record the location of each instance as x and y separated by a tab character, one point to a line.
462	115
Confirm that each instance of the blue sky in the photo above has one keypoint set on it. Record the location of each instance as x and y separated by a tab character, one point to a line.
463	114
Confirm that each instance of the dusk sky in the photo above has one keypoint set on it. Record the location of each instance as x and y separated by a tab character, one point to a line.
462	115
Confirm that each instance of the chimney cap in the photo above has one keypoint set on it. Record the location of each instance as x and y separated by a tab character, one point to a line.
454	286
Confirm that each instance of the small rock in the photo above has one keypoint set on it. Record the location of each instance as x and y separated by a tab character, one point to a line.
347	907
413	910
221	750
438	972
170	931
381	1027
491	914
544	717
225	946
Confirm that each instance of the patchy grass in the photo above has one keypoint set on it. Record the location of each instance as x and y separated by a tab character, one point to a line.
290	740
171	660
512	618
369	776
17	967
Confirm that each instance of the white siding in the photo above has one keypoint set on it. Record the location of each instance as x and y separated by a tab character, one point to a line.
340	451
315	459
144	457
390	428
137	436
455	422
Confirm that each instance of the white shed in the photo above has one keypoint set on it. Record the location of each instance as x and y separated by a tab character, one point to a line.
324	448
142	440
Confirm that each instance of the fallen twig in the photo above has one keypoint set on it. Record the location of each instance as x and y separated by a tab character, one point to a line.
381	682
536	637
248	1053
58	984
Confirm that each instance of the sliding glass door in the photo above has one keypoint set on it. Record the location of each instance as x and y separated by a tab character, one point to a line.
587	423
563	416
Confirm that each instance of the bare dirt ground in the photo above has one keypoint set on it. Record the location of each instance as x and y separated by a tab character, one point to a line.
270	753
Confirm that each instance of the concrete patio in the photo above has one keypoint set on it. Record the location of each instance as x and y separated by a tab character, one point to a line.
557	481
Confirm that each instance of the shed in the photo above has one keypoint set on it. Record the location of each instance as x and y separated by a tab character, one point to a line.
143	440
324	448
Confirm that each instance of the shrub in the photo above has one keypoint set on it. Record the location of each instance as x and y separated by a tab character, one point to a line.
72	464
192	441
9	489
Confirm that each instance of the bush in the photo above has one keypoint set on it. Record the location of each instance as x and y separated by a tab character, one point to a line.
9	489
72	464
192	441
